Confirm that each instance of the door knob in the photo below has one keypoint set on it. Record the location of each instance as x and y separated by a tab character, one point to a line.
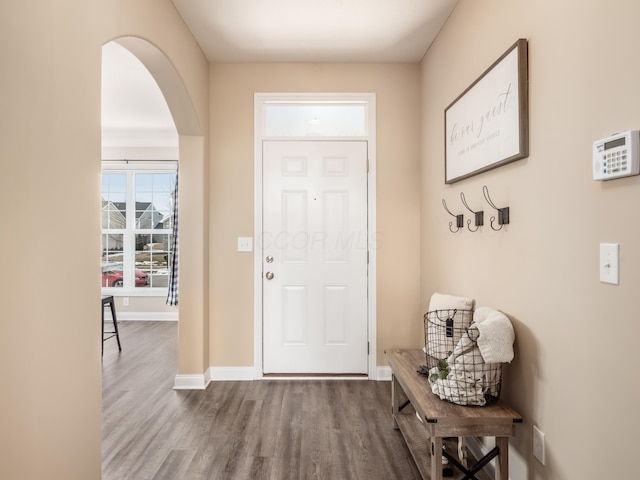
269	275
269	259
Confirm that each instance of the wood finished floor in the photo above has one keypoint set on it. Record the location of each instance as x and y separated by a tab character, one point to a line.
277	430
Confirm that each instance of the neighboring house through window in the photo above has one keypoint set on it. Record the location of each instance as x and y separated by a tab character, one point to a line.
137	216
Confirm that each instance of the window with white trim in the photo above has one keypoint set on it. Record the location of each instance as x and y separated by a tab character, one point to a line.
137	221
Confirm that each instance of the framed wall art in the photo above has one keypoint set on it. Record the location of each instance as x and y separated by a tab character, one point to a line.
487	126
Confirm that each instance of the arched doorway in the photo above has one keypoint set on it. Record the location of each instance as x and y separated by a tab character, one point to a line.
193	203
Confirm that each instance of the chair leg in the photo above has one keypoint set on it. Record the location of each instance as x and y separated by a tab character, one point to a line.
115	324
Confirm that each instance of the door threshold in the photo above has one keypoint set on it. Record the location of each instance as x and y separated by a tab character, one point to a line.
315	376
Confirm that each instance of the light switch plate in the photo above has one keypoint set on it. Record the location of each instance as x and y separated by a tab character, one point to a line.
245	244
609	263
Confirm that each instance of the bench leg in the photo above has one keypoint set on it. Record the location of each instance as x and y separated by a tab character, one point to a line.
395	409
502	467
436	458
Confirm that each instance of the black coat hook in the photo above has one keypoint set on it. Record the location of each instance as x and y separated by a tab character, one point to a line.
503	213
479	216
459	218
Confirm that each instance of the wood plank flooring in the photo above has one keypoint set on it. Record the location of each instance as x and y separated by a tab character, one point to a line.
271	429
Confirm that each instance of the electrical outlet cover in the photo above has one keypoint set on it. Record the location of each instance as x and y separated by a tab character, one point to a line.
538	445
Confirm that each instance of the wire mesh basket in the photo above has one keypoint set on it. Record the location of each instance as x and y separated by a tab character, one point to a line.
455	368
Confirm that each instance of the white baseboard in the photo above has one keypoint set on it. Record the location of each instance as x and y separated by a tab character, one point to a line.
234	374
383	374
145	316
191	382
230	374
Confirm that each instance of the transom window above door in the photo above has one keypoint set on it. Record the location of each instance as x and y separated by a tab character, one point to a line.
317	120
315	116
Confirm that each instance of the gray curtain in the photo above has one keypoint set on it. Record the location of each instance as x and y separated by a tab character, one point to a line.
172	294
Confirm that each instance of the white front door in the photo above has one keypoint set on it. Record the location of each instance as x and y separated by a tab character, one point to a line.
314	256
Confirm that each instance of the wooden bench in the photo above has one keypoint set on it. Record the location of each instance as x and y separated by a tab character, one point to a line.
439	419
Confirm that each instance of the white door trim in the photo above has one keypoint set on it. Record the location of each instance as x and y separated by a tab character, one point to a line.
260	100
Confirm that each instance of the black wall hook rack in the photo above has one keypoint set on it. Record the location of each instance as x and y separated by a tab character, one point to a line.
459	218
503	213
479	215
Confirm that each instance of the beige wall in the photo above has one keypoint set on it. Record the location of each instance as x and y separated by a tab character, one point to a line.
575	336
50	407
576	346
232	184
49	352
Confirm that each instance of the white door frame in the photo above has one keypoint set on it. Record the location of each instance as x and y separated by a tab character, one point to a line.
260	101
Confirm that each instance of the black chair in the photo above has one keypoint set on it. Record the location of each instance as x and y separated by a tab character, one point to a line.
108	300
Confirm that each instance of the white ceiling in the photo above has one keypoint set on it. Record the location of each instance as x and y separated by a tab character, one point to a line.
377	31
134	112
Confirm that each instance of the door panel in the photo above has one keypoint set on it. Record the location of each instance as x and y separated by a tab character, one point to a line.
315	229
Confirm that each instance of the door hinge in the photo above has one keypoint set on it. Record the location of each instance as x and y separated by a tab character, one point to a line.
367	257
368	349
367	164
